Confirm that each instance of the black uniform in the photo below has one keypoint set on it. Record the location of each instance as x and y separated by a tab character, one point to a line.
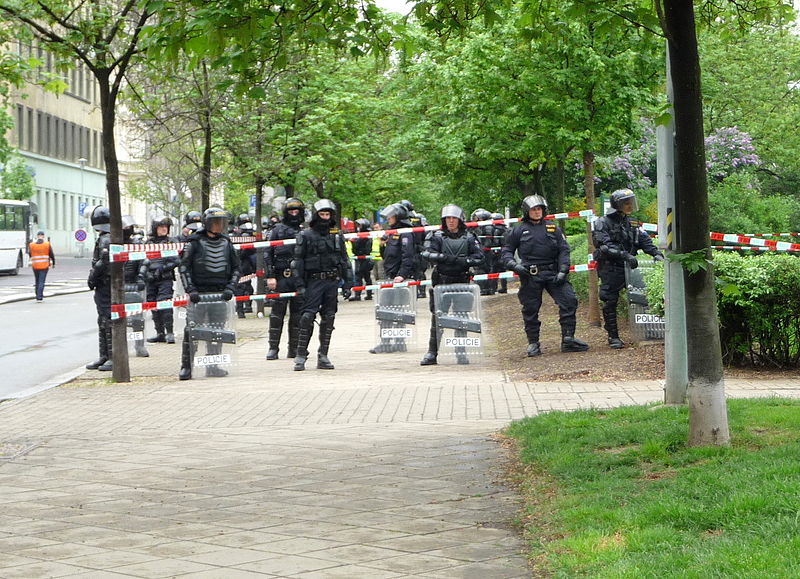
209	264
398	254
543	253
100	281
420	263
498	235
362	268
486	235
616	241
320	263
278	264
452	255
134	273
160	279
247	266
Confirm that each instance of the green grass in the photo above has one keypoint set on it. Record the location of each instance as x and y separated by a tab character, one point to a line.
617	493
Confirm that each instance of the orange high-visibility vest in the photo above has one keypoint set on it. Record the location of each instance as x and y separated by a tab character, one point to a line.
40	255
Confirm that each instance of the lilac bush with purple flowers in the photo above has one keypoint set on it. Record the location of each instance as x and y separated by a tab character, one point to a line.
729	150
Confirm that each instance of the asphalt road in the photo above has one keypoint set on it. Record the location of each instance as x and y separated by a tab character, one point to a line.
41	342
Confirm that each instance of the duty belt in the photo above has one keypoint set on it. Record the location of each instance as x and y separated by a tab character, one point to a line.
534	268
324	275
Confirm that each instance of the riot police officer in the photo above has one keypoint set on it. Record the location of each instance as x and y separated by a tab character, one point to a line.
420	263
617	241
192	221
320	263
485	234
278	264
100	281
452	250
160	278
398	258
543	265
362	268
134	273
247	265
209	264
499	231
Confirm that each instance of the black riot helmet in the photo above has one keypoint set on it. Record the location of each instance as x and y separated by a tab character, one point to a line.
407	204
621	196
193	220
363	224
480	214
214	215
497	216
398	210
532	201
162	221
101	219
291	204
128	223
243	218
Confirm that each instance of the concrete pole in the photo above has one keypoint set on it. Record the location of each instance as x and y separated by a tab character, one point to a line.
676	360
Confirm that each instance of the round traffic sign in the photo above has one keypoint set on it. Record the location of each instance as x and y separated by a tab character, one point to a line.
80	235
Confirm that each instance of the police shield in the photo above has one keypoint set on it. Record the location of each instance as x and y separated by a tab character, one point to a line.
134	294
458	322
210	329
644	325
396	314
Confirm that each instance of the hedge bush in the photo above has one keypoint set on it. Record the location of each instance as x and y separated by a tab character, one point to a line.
758	301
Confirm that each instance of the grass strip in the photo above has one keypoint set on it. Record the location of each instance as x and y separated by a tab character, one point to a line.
617	493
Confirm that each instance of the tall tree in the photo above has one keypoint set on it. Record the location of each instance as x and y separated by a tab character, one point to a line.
105	36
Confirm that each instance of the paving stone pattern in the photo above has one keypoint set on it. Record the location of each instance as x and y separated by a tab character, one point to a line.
380	468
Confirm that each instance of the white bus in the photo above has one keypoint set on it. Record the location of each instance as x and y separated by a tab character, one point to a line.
17	221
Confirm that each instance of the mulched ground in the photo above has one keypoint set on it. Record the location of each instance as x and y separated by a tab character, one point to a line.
644	361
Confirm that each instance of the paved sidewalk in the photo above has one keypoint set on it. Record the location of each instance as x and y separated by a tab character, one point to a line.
380	468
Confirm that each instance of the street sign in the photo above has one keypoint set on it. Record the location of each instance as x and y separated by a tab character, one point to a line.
81	209
80	235
252	201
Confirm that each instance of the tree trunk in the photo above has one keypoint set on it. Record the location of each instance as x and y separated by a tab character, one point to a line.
708	419
205	170
558	200
119	334
588	187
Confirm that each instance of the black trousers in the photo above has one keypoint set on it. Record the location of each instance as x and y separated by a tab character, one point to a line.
530	297
612	281
321	296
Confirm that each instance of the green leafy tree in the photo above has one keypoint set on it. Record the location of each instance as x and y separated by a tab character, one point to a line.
106	38
16	179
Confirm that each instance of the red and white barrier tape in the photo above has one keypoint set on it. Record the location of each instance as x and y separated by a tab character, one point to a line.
755	241
131	252
749	248
772	234
125	310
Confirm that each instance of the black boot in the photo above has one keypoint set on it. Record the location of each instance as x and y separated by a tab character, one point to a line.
139	348
102	347
325	331
186	358
159	324
108	365
385	344
610	325
167	316
369	295
429	359
534	349
303	338
294	328
572	344
356	297
275	329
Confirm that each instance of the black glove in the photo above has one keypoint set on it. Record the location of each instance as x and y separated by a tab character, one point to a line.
521	270
90	280
140	285
561	278
301	290
194	296
658	257
462	261
633	263
346	293
227	294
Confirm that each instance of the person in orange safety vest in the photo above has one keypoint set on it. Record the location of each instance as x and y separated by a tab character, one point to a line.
42	259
